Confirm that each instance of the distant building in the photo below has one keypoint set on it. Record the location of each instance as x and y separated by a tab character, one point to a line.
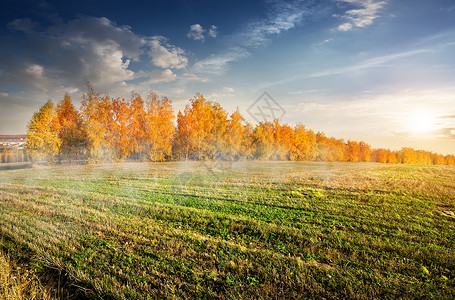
11	141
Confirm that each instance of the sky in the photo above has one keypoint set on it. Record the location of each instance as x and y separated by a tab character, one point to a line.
381	71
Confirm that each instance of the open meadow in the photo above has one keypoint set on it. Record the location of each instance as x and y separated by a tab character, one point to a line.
240	230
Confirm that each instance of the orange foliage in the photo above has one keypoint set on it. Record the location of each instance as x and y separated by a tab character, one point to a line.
159	128
117	129
71	129
304	142
43	142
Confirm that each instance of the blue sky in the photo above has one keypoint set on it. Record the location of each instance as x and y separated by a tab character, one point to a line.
382	71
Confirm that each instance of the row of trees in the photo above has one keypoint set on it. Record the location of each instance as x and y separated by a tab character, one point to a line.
106	129
12	155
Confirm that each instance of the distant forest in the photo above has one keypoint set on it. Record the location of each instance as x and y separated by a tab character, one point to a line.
109	129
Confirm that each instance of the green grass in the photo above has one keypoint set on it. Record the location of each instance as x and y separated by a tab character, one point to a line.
246	230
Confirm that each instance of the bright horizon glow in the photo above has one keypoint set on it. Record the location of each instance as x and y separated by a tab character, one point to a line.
420	122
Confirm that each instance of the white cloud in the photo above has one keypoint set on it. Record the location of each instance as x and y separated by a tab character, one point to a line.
193	77
100	31
196	32
281	17
165	55
217	63
35	70
224	92
4	94
213	31
363	16
115	68
345	27
162	76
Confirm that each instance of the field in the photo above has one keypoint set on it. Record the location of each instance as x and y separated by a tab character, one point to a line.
241	230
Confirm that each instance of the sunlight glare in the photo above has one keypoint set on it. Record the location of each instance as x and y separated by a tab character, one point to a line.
420	122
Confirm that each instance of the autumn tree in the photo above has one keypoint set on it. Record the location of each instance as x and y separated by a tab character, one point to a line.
216	139
424	157
5	154
352	151
248	148
190	135
97	117
201	126
43	142
284	142
379	155
200	130
237	138
408	155
337	149
304	143
264	141
364	151
329	149
181	142
71	129
391	157
450	159
118	132
158	127
322	146
138	127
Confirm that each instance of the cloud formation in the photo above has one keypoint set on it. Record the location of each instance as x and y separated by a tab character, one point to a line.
198	33
345	27
162	76
218	63
213	31
224	92
88	48
447	124
165	55
363	15
281	16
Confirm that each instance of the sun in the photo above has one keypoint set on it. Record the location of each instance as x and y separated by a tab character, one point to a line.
420	122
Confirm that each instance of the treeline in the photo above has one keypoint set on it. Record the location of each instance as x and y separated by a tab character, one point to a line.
106	129
13	154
